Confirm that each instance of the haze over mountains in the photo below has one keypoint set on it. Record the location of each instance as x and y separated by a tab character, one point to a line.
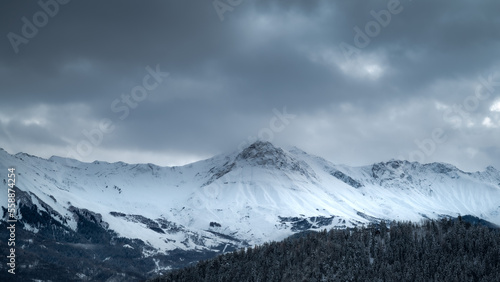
166	217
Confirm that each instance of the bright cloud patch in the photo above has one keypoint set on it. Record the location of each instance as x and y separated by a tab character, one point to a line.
488	123
495	107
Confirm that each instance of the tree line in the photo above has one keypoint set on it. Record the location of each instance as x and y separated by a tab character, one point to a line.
433	250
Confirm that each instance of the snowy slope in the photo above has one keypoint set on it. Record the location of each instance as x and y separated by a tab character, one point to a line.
259	194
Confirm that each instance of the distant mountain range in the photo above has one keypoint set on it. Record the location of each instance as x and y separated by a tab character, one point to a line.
119	221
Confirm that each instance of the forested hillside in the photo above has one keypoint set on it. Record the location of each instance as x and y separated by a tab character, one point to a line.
444	250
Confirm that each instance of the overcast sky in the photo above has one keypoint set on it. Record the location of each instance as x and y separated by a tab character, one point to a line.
356	82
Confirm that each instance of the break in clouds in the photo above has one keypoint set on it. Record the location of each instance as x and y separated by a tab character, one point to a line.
171	82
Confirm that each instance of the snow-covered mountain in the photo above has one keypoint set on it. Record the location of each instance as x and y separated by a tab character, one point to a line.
247	197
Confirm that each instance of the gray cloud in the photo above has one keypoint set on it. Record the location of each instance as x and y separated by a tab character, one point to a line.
226	77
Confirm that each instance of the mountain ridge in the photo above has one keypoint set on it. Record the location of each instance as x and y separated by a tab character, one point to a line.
294	149
234	200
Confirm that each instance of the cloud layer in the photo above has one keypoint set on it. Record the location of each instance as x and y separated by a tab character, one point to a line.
423	67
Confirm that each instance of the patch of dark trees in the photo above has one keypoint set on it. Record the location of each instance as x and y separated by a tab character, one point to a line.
461	249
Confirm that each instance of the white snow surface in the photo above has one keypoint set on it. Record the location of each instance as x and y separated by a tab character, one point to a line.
247	192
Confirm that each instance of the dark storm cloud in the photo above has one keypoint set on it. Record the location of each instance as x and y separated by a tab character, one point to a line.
226	77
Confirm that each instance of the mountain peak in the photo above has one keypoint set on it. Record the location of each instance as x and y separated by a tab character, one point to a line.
259	149
261	145
491	168
264	153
